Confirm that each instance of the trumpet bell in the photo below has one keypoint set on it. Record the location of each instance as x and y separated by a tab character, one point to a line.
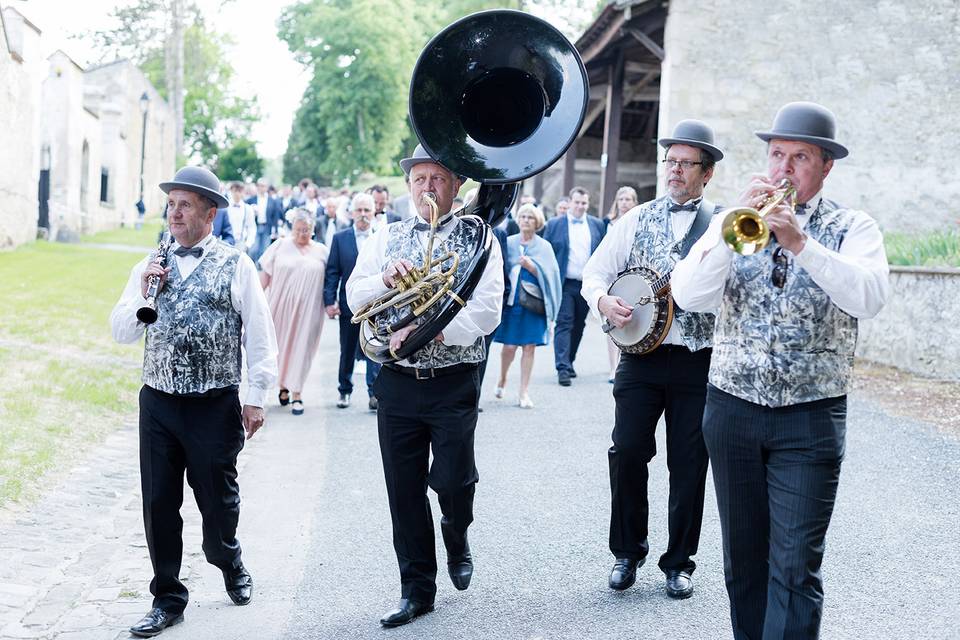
744	230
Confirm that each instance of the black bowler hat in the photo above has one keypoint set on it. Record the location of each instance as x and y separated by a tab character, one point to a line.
806	122
695	134
197	180
420	156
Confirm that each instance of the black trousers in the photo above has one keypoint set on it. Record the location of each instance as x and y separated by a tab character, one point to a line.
349	348
776	472
415	416
203	437
669	381
571	317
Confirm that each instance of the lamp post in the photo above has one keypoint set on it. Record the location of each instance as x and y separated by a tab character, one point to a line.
144	107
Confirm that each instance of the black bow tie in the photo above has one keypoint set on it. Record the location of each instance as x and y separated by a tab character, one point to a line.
801	209
689	205
196	252
425	226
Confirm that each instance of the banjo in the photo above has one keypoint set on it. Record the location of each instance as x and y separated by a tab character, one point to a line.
652	310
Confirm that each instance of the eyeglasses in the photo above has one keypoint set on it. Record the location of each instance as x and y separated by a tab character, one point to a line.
779	275
685	165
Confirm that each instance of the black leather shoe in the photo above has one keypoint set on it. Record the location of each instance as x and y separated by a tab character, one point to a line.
406	611
155	622
564	379
239	585
344	401
573	374
461	570
373	403
624	573
679	584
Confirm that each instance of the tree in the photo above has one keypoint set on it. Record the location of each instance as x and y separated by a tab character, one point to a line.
239	162
213	118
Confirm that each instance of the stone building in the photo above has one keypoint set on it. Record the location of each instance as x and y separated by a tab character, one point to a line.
71	159
886	68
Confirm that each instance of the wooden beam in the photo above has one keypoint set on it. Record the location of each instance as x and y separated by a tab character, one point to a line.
570	168
635	67
611	135
646	41
631	93
538	187
613	31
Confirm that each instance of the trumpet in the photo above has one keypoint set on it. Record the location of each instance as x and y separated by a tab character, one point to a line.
744	229
420	288
147	314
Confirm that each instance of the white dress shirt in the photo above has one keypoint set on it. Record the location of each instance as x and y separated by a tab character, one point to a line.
611	257
258	336
855	277
479	317
578	234
261	209
243	220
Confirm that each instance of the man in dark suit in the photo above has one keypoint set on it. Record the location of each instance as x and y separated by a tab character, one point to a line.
269	215
222	228
574	237
344	249
381	198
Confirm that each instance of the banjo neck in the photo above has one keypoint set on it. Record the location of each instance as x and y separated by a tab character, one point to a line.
661	285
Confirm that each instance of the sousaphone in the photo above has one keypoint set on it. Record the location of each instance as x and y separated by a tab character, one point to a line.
498	97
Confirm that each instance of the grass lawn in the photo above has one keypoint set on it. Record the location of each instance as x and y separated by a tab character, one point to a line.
64	383
146	236
934	249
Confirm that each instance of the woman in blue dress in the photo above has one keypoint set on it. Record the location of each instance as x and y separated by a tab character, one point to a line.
534	279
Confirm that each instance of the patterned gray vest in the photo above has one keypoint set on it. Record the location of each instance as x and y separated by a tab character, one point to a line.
654	247
194	345
404	244
778	347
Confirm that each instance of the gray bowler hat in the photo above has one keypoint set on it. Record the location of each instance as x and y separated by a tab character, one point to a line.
198	180
694	133
806	122
420	156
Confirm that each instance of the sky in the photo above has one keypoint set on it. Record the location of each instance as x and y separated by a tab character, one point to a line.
263	64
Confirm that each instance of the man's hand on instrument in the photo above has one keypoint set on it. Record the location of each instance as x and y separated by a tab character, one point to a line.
397	338
616	310
153	269
783	223
395	271
757	191
333	310
252	419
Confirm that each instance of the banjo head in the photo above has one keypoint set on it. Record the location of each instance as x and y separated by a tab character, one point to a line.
650	322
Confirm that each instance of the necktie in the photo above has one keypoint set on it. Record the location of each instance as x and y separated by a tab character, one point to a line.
196	252
687	206
577	220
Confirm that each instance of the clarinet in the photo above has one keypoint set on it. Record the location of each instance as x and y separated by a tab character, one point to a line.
147	314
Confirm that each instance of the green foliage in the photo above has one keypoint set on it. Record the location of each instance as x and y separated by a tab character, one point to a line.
215	118
935	249
240	162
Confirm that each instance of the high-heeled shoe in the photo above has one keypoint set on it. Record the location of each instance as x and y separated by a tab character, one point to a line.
526	402
284	397
498	393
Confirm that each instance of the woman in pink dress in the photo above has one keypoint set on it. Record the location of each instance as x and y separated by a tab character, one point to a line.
292	275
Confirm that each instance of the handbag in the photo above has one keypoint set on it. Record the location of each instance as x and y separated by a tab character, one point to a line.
531	298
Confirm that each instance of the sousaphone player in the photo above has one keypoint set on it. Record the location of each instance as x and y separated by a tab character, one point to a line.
665	371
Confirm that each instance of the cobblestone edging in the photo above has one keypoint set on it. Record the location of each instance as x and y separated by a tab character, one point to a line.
81	551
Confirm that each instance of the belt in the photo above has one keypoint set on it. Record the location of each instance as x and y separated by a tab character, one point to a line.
431	372
209	393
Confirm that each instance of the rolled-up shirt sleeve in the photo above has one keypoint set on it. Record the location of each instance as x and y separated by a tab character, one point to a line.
856	277
124	325
698	281
481	315
608	260
259	338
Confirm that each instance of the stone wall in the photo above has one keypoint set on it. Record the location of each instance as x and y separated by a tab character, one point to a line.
18	185
887	68
918	329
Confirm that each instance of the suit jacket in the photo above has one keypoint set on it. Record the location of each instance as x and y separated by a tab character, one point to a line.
557	234
393	217
274	210
222	228
340	264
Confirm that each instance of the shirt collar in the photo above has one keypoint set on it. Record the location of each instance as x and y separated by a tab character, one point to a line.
813	203
572	219
695	202
205	243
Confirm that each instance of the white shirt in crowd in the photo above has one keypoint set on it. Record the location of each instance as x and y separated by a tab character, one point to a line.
855	277
611	257
258	336
262	208
243	221
479	317
579	238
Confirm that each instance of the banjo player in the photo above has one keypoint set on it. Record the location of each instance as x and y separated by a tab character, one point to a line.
665	371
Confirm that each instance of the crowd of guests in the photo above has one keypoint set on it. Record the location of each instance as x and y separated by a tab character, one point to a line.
305	240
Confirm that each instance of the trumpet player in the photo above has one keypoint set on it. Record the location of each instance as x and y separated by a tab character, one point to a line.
669	380
209	304
775	416
428	401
